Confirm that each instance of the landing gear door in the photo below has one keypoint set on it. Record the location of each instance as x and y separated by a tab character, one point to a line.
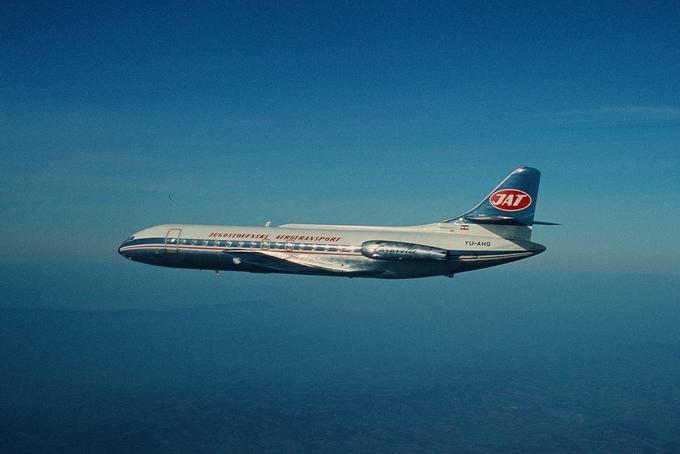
172	240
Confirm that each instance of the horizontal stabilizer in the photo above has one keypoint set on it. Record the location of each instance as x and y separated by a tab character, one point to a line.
503	220
496	220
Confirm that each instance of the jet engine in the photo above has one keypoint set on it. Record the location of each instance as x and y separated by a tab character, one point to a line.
392	250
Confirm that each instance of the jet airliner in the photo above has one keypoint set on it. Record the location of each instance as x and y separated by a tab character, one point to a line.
496	231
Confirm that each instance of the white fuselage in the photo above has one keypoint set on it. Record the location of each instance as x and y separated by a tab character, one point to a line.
351	251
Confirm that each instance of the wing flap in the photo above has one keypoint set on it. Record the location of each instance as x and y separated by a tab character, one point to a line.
290	262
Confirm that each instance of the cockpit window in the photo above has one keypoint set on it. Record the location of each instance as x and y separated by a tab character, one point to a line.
132	237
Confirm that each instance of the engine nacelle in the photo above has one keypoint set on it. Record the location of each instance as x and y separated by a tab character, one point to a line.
392	250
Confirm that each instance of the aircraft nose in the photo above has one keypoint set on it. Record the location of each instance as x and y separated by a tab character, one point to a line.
122	251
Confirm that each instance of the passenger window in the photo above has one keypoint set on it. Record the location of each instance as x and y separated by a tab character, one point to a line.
245	244
320	247
256	244
308	247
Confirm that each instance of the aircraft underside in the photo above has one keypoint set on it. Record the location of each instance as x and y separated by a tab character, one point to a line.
272	262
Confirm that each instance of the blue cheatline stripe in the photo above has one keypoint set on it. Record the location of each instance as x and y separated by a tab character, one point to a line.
159	243
145	241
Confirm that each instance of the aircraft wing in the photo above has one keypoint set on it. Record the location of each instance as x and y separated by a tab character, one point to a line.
295	263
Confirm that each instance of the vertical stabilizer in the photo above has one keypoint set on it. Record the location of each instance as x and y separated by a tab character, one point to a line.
508	210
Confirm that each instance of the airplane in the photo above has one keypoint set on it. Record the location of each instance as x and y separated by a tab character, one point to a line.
496	231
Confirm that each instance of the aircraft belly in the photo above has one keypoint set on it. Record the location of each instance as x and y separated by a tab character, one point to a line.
290	262
327	265
314	265
405	270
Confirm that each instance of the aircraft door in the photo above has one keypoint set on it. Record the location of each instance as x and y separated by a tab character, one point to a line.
172	240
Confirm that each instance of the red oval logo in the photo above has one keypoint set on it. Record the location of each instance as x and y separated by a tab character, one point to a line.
510	200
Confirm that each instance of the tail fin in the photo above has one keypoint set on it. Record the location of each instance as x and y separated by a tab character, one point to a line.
511	204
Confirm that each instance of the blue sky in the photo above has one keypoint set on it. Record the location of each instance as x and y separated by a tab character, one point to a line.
116	117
